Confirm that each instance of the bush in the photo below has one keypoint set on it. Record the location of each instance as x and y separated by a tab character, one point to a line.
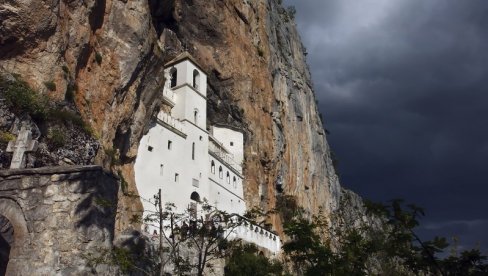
98	58
21	98
245	260
50	85
56	138
70	92
6	137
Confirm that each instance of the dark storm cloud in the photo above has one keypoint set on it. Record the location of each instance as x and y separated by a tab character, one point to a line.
403	85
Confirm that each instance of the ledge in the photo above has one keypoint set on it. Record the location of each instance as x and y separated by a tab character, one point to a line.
50	170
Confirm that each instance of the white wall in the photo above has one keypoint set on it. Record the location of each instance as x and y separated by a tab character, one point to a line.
177	160
227	137
226	196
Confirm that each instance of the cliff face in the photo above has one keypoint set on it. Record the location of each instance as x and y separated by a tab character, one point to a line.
112	52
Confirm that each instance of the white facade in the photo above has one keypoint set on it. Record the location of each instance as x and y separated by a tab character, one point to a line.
180	157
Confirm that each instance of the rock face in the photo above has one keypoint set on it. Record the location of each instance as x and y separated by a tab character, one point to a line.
113	51
260	82
54	217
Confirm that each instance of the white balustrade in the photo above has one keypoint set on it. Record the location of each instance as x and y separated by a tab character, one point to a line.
170	121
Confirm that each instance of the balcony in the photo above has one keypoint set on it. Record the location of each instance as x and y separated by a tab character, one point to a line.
217	149
168	95
255	234
173	124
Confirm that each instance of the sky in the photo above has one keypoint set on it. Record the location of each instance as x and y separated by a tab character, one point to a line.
403	86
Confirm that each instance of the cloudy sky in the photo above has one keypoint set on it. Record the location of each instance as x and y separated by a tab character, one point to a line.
403	86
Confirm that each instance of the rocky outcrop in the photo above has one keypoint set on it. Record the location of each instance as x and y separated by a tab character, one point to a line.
57	217
111	53
259	81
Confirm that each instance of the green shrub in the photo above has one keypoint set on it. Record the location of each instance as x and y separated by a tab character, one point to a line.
98	58
70	92
56	138
21	98
50	85
65	69
6	137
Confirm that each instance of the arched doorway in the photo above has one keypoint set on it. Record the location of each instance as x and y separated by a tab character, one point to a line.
13	234
6	243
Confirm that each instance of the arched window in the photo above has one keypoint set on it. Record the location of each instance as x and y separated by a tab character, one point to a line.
193	151
195	197
221	173
212	167
173	75
228	178
196	79
195	116
234	181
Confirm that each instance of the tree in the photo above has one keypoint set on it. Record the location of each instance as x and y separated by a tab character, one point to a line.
245	260
203	235
386	244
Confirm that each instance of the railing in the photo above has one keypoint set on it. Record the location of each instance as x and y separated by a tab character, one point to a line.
170	121
255	234
242	229
218	149
168	94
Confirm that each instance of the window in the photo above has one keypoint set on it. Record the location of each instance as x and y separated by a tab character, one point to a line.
195	183
195	116
196	79
212	167
161	169
177	176
170	144
221	173
234	181
228	178
201	138
231	144
193	151
173	75
149	148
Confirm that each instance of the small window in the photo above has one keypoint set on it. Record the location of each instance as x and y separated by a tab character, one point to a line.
170	144
193	151
195	183
161	169
173	75
177	176
212	167
231	144
196	78
201	138
195	116
149	148
234	181
221	172
228	178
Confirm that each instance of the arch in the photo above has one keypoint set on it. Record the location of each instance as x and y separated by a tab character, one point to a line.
12	217
228	177
212	167
173	75
196	78
234	181
195	197
6	242
221	172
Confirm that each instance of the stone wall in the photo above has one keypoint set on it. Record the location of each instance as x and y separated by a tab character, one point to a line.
58	215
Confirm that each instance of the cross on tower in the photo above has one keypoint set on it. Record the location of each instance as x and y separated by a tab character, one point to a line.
20	146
